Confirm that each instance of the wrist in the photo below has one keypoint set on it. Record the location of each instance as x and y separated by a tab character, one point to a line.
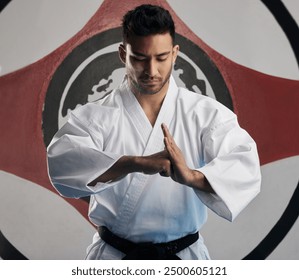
135	163
199	181
195	178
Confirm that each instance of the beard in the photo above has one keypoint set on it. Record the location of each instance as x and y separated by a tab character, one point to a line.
148	85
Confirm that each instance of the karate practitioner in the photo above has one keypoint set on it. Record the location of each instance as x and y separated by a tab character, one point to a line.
152	156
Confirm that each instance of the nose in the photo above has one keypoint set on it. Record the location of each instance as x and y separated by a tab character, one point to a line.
151	68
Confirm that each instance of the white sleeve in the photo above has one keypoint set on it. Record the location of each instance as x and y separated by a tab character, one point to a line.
232	168
76	157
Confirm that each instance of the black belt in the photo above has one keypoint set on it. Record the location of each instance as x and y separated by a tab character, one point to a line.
147	250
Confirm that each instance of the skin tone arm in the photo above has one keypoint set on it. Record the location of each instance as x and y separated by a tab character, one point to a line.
152	164
168	163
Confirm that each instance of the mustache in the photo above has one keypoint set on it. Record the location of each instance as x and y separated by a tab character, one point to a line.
150	79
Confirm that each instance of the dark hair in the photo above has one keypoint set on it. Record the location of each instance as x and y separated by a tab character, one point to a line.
147	20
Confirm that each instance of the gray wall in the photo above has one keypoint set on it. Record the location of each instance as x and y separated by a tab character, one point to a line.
244	31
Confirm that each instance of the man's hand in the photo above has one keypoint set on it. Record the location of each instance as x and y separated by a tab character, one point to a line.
168	163
180	172
155	163
152	164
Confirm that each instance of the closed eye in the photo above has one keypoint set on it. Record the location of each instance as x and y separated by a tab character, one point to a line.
162	58
138	58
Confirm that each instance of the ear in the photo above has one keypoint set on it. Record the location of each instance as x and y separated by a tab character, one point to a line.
175	52
122	53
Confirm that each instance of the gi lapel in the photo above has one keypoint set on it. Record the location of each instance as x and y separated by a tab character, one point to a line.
153	137
155	141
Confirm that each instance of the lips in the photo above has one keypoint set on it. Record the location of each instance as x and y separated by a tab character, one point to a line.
150	82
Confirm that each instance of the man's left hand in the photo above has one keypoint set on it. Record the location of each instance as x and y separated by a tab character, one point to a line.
180	172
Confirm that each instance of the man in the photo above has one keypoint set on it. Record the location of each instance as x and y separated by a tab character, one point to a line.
153	156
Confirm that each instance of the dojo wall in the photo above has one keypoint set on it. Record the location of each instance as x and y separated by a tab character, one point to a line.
248	42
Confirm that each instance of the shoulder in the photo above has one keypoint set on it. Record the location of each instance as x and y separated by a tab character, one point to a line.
205	110
103	111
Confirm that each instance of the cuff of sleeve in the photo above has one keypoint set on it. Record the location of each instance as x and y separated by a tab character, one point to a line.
234	188
218	202
73	182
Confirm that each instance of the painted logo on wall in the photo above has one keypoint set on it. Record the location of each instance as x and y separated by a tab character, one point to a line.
93	69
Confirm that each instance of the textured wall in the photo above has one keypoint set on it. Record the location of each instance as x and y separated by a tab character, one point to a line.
55	55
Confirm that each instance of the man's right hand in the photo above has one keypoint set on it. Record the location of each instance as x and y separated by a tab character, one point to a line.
155	163
151	164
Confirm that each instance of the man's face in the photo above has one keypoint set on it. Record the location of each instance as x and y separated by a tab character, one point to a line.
149	61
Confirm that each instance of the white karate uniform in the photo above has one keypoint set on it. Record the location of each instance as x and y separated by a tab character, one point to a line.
141	207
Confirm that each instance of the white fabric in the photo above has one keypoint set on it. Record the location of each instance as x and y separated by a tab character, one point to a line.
143	207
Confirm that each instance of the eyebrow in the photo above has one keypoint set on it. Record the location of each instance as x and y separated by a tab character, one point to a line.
158	55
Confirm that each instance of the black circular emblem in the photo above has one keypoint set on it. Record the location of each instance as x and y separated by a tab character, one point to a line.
93	69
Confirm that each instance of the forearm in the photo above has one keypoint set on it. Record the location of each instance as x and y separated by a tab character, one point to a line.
124	166
151	164
198	181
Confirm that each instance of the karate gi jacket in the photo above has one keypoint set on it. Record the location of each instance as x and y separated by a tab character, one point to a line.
152	208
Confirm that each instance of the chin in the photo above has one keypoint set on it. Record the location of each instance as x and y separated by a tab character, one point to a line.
149	92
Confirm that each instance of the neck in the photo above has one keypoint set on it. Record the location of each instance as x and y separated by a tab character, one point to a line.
151	103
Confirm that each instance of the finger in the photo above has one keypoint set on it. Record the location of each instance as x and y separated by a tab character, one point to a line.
164	174
168	139
167	144
166	131
169	148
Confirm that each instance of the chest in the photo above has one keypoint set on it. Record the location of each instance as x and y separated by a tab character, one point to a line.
135	138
